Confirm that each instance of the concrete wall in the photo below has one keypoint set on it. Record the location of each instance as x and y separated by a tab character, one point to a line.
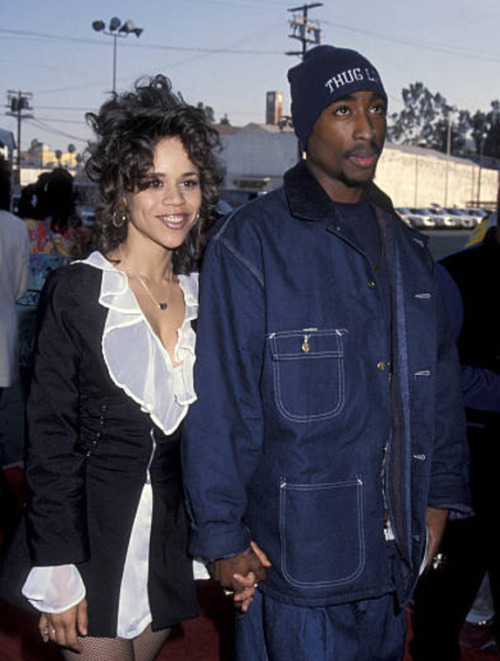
411	176
418	177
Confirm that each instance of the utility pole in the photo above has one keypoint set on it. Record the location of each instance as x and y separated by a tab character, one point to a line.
19	102
307	31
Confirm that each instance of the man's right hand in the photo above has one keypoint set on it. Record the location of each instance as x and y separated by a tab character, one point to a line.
251	560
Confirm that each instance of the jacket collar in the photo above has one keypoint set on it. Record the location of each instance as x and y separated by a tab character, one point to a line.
308	200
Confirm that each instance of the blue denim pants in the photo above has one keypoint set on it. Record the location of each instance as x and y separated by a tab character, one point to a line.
360	631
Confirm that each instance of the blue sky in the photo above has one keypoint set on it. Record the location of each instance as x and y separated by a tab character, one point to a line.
228	54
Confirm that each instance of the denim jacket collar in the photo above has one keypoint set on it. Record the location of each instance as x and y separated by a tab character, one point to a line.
308	201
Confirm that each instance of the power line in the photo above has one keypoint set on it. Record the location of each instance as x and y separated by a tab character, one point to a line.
81	109
142	46
80	122
467	53
408	41
51	129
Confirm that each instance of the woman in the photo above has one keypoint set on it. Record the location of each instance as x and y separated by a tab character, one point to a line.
112	383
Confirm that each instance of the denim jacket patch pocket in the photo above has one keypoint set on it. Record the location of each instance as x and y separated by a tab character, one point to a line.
308	373
322	533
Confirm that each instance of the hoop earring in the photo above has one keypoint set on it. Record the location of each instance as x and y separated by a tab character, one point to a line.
120	218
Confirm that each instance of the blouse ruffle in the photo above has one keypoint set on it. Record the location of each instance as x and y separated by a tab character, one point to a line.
137	361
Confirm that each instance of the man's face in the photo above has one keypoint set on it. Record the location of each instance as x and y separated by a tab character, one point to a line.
345	144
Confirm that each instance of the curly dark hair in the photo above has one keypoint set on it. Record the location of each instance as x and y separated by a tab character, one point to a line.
128	128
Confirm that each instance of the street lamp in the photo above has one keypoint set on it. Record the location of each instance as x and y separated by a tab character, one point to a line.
115	30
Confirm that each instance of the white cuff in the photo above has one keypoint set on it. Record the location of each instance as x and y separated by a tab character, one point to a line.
54	589
200	571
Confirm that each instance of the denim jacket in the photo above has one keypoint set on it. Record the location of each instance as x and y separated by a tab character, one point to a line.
302	403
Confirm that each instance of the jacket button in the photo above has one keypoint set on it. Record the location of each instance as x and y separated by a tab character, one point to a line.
381	366
371	284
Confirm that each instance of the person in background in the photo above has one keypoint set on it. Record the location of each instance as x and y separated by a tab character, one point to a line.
329	417
56	237
471	546
53	225
112	384
14	253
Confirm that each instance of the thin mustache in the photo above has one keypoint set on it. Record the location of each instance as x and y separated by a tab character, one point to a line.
371	149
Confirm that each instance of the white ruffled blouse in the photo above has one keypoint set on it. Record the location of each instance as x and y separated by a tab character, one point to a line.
165	393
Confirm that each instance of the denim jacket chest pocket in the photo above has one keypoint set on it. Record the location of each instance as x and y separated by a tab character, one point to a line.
308	373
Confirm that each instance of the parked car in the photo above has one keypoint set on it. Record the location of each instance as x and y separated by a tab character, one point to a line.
87	214
480	214
464	220
443	219
403	215
419	218
237	197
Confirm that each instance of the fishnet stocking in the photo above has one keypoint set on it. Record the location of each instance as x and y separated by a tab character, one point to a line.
145	647
101	649
149	643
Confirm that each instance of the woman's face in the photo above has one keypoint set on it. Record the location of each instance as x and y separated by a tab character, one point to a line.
167	204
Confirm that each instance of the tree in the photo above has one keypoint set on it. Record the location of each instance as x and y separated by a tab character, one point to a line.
426	119
492	138
485	131
71	150
479	127
58	155
209	112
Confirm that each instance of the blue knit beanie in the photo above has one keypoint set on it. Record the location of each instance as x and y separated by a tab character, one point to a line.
326	74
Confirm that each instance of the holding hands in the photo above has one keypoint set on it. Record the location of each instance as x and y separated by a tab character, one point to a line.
240	575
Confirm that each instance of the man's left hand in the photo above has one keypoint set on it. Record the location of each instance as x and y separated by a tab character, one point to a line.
435	520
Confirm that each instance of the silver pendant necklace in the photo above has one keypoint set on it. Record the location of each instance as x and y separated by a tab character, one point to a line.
160	306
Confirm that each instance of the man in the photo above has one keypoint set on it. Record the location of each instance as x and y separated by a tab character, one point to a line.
471	545
328	428
14	255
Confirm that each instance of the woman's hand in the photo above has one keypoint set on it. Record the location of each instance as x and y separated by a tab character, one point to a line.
248	585
64	628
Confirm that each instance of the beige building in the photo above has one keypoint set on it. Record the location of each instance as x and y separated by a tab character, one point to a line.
256	156
39	155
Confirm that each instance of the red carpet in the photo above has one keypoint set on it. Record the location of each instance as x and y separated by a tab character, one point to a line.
205	638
